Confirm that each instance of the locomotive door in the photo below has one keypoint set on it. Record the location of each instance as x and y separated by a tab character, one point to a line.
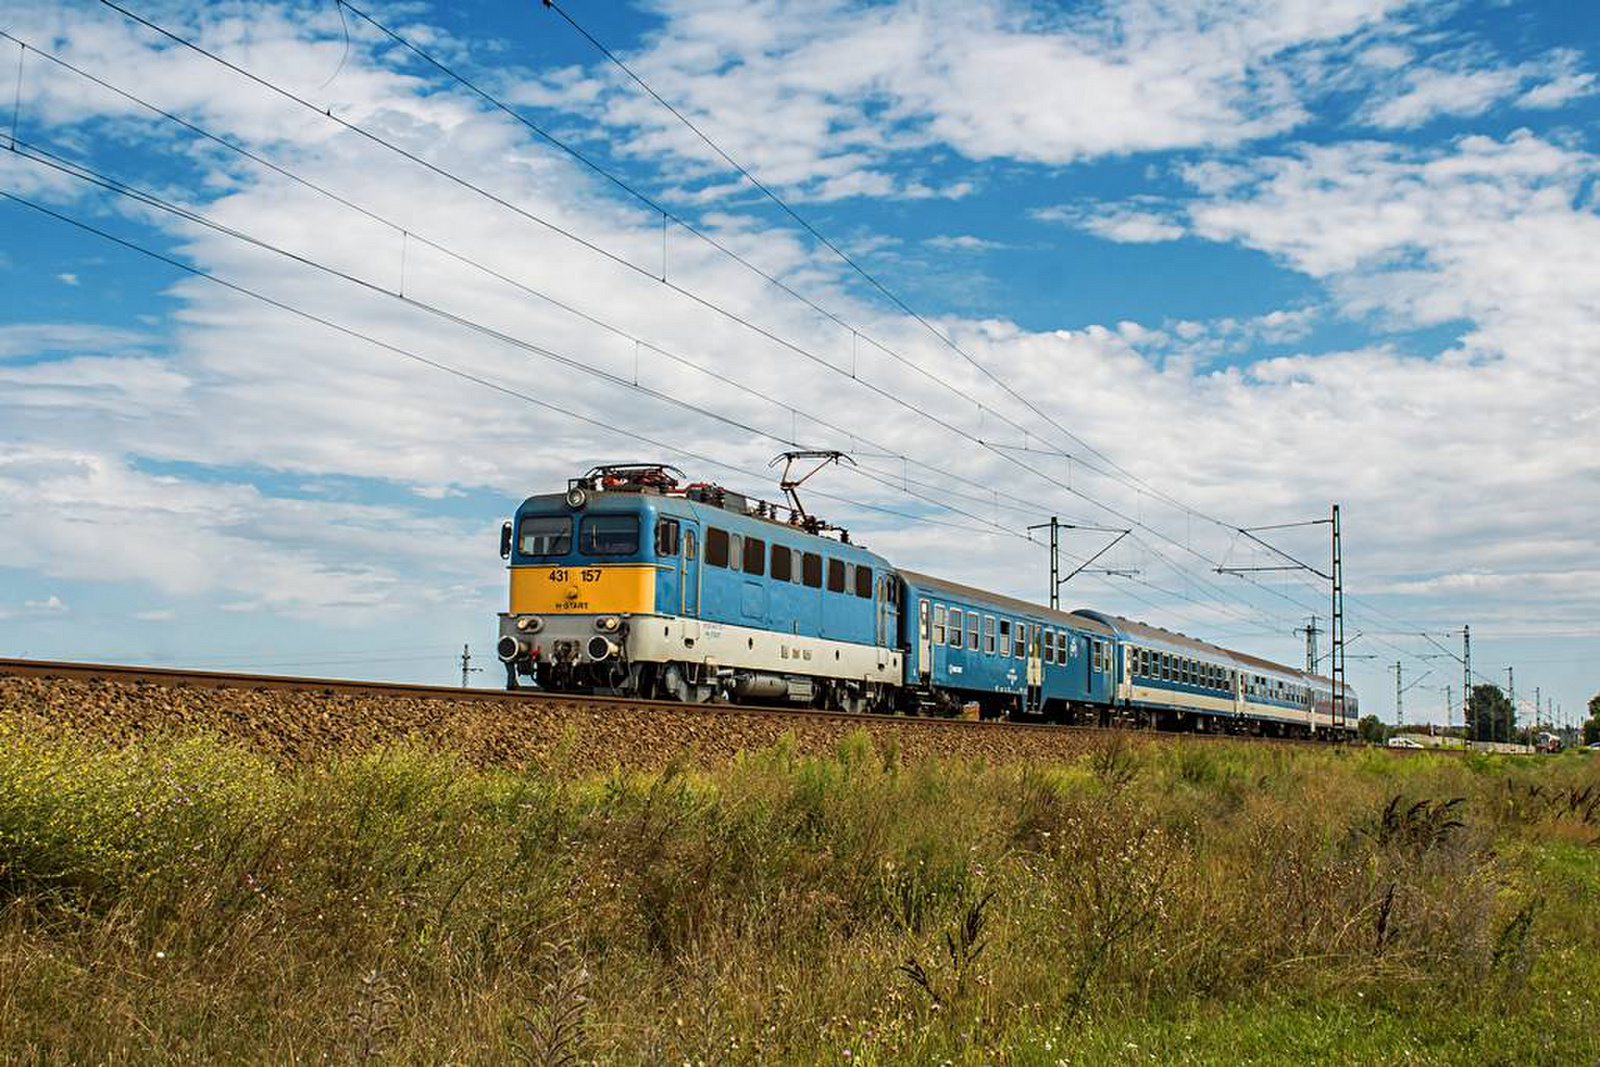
888	618
691	572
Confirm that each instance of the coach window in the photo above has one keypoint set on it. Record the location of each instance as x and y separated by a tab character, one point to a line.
988	635
545	536
609	535
835	575
864	582
1005	637
938	624
755	556
783	566
1049	646
955	627
1061	648
811	569
666	537
972	630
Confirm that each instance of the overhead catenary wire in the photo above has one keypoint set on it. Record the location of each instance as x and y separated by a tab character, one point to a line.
690	295
589	317
873	281
889	395
481	380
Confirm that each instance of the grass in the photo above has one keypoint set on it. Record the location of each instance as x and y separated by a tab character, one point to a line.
184	900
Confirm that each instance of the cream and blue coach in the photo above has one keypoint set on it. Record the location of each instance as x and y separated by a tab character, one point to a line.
1172	681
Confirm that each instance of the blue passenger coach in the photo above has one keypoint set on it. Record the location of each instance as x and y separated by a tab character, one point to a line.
1006	655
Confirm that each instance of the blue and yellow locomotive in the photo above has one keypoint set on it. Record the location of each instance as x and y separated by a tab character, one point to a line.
633	583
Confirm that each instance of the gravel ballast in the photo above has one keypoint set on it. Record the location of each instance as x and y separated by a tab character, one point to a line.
304	725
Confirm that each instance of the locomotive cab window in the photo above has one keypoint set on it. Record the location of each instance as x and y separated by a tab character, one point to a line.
835	575
864	582
783	565
545	536
609	535
666	537
811	570
716	547
755	556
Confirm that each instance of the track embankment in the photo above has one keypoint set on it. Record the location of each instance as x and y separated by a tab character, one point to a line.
305	720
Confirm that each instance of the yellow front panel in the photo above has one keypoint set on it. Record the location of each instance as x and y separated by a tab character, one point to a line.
609	589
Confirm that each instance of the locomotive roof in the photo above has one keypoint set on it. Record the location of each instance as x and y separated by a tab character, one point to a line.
998	600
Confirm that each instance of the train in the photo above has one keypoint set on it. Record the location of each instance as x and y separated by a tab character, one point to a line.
636	582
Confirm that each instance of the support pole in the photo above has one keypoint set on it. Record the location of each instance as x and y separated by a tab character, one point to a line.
1466	684
1336	628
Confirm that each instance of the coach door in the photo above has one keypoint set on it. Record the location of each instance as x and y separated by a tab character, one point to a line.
1035	666
691	572
924	638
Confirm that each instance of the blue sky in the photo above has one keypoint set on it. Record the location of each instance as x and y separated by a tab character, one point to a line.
1249	258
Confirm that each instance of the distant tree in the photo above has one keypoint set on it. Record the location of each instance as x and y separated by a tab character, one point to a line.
1591	729
1594	706
1490	717
1371	729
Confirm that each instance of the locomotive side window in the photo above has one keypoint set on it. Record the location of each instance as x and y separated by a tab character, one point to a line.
545	536
835	575
755	556
955	627
716	547
864	583
609	535
811	569
666	537
782	564
938	624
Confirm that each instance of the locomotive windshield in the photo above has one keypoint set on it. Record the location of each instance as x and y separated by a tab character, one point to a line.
609	535
545	536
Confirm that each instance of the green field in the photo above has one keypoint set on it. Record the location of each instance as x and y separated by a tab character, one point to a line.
1188	902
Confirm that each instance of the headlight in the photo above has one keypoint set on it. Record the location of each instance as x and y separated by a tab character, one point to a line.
576	497
607	624
530	624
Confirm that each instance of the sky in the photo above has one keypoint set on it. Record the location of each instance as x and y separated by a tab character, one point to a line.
288	327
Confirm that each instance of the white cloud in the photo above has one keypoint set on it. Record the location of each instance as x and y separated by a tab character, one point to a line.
1133	222
67	279
1465	85
964	243
816	97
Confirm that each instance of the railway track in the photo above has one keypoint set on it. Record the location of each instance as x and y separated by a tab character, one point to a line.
187	679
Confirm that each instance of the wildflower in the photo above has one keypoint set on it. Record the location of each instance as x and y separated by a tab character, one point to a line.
161	955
